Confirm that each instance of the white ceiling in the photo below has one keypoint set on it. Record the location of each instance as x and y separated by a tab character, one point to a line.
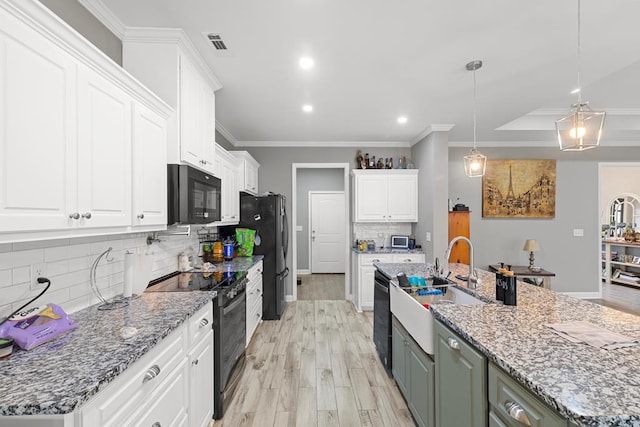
377	59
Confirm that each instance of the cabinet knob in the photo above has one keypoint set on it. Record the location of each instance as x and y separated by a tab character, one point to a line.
153	372
156	424
407	260
453	343
86	215
257	315
141	216
74	215
195	362
203	323
516	412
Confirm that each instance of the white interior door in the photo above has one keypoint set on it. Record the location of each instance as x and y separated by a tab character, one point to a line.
327	239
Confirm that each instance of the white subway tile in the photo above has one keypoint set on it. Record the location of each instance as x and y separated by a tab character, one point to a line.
21	275
5	261
24	258
5	278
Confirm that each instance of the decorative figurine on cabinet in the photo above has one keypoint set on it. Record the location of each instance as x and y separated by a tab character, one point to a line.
359	159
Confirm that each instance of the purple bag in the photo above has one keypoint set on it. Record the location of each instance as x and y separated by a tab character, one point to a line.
37	325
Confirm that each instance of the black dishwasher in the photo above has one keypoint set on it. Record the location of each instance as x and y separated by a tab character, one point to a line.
382	319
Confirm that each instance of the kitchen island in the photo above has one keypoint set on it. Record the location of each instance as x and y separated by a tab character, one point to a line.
586	385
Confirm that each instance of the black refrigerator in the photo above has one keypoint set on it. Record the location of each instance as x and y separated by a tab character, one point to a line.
268	216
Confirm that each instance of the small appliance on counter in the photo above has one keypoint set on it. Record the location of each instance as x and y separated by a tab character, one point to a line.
400	242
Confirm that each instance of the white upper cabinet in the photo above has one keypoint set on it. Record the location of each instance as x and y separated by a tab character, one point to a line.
38	134
385	195
104	152
227	167
166	61
248	172
149	167
66	114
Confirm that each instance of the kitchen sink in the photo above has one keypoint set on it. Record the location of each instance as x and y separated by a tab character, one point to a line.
416	318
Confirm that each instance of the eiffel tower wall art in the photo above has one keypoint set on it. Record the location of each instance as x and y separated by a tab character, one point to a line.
519	189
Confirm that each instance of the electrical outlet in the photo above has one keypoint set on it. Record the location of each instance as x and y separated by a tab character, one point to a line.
37	270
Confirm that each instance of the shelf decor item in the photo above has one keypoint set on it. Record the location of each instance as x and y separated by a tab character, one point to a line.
531	246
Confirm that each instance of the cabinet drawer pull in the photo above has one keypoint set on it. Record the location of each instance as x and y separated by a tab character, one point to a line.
516	412
407	260
74	215
86	215
141	216
151	373
257	315
195	362
203	323
375	260
156	424
453	343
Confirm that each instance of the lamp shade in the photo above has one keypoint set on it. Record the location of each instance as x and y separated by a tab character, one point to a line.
475	163
531	246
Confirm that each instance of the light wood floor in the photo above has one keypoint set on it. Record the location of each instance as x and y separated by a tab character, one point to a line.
620	297
317	366
321	287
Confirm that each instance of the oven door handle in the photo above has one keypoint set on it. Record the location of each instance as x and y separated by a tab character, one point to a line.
382	288
233	305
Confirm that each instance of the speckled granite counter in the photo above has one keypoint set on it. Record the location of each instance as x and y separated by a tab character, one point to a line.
238	263
589	386
388	251
59	376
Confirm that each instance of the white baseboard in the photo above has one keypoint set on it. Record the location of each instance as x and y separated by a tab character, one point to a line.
584	295
289	298
304	272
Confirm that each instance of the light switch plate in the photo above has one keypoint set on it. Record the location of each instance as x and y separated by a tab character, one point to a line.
578	232
428	236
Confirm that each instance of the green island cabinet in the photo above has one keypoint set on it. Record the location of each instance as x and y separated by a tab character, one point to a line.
461	381
413	371
469	391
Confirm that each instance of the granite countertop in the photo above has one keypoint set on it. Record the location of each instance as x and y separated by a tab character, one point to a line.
237	264
388	251
59	376
587	385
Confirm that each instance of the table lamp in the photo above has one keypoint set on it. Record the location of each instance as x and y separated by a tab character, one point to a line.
531	246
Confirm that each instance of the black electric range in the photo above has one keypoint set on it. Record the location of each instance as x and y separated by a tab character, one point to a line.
229	324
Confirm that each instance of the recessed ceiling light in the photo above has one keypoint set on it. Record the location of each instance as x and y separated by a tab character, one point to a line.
402	119
307	108
306	63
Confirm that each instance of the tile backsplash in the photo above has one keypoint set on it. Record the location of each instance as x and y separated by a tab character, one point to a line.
67	263
380	232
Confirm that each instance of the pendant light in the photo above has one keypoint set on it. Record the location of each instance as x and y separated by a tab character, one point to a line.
475	162
581	129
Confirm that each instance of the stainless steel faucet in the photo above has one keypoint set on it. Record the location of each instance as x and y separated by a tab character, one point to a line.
472	277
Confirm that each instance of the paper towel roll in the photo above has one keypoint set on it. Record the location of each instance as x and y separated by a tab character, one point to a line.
142	272
129	277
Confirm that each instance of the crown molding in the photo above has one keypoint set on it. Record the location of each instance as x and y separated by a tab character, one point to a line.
172	35
564	111
323	144
103	14
533	144
429	130
227	135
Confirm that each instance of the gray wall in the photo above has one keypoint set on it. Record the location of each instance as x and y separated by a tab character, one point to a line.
312	180
575	260
74	14
275	168
430	157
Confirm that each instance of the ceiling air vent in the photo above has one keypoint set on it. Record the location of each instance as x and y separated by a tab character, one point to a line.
216	41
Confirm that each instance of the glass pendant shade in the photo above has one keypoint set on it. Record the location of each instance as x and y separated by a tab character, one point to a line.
581	129
475	163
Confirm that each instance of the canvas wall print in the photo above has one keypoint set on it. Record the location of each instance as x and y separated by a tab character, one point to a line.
519	189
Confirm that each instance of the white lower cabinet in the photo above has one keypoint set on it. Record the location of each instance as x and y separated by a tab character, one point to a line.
172	385
254	299
364	274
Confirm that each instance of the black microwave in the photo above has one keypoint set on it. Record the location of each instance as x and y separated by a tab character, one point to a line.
193	196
